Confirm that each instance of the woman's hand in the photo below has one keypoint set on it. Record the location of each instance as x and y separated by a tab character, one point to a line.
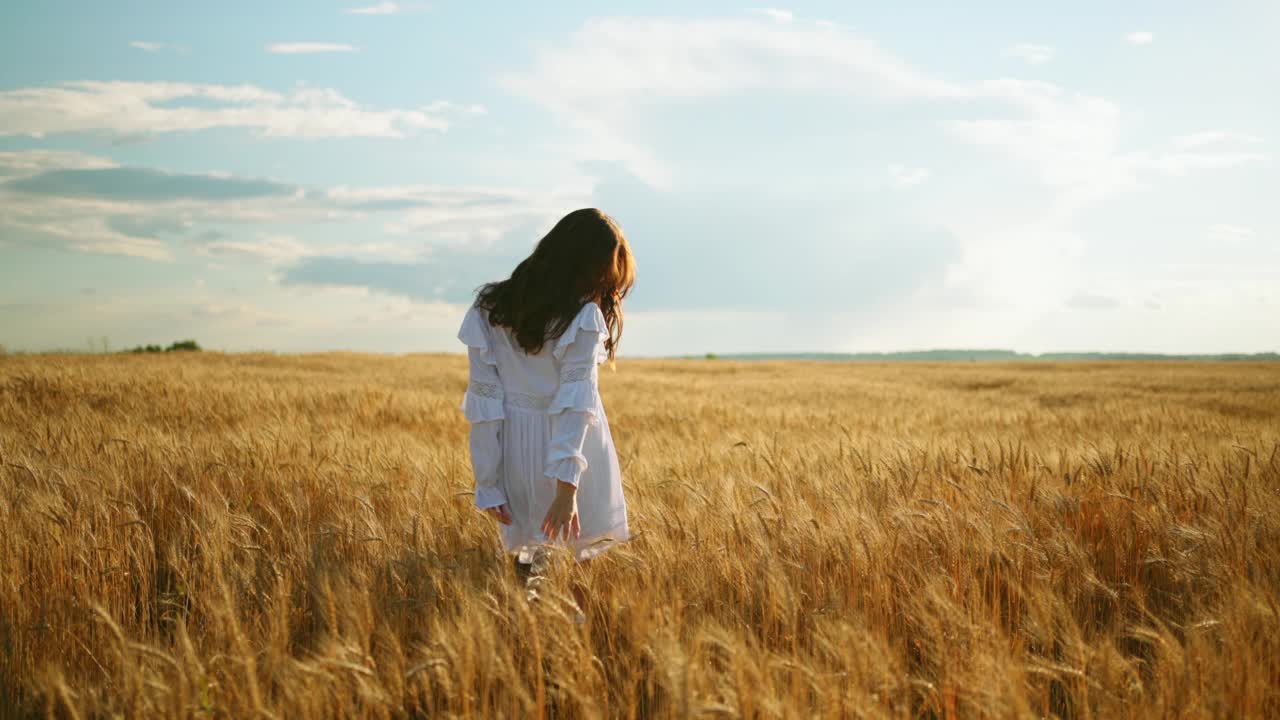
500	513
562	516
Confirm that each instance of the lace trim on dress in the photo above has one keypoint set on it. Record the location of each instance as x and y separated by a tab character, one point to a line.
577	395
482	408
529	401
575	374
486	390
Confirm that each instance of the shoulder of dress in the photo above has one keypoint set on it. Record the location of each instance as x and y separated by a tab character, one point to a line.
474	332
590	319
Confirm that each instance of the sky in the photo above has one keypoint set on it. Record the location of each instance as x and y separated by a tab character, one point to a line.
824	176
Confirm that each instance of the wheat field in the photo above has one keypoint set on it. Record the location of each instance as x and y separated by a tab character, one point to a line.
238	536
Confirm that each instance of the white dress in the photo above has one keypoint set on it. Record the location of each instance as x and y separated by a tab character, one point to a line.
538	418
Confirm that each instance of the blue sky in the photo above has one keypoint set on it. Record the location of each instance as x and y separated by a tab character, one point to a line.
824	176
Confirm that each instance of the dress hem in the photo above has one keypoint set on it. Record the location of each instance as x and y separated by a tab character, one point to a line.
581	549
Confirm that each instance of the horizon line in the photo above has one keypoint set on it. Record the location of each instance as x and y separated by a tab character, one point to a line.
994	354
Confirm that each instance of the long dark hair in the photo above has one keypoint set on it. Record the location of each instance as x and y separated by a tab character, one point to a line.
584	258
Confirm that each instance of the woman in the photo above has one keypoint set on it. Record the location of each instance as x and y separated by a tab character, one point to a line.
543	457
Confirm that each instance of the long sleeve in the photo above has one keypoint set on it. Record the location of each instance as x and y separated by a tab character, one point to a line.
574	406
483	408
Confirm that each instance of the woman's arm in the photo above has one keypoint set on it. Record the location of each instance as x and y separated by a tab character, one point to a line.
482	406
486	433
573	410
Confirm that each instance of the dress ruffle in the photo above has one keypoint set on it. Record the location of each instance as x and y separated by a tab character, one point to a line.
477	408
589	318
568	469
475	333
580	396
491	496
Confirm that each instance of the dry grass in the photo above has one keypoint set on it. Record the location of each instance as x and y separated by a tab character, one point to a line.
232	536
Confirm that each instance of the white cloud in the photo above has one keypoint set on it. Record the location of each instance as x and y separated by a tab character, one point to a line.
1033	54
1075	145
1231	234
1140	37
269	248
444	106
1089	300
593	83
309	48
1070	140
779	16
462	216
1017	266
1206	150
605	78
1181	163
90	205
131	108
81	238
702	58
1074	142
67	197
152	46
241	313
76	224
382	8
903	176
1214	137
30	162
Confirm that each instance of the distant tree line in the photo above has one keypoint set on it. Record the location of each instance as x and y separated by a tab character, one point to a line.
179	346
997	356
